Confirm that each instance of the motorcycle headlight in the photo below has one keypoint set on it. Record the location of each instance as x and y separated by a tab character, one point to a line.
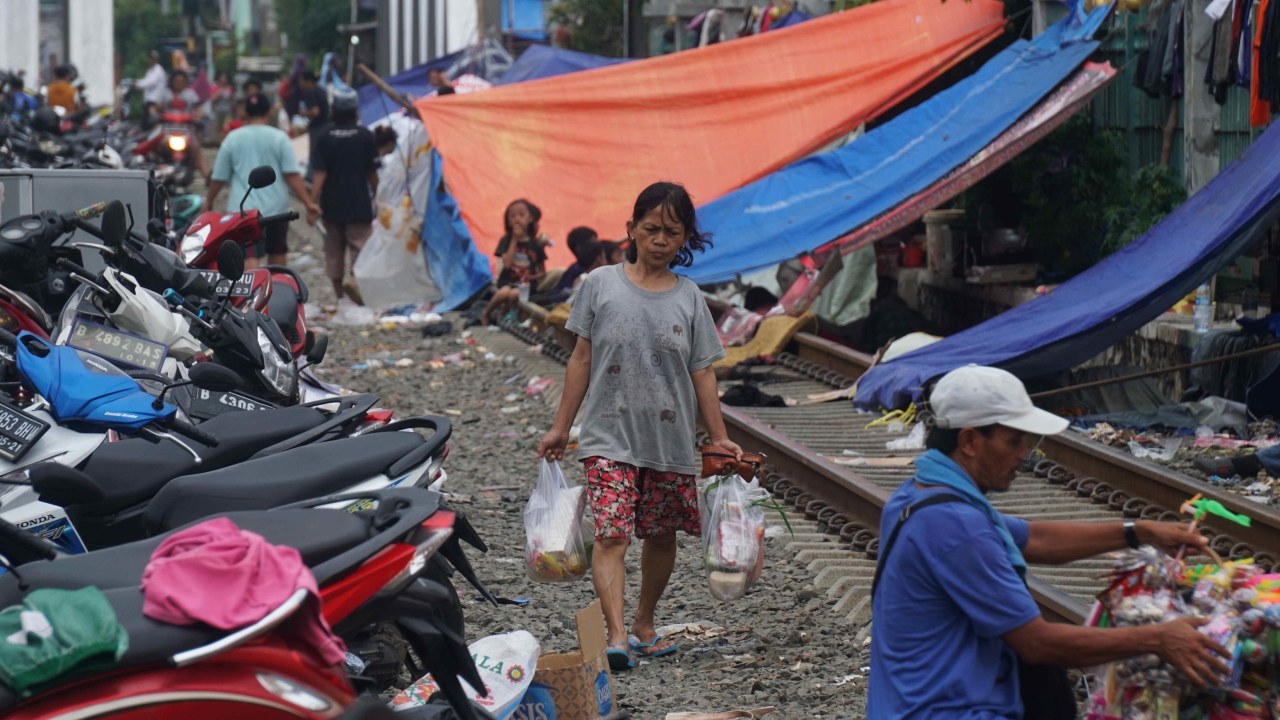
280	375
177	143
193	244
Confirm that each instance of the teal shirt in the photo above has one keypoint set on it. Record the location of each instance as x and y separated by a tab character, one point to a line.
244	149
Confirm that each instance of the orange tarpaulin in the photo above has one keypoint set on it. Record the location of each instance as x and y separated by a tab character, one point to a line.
582	146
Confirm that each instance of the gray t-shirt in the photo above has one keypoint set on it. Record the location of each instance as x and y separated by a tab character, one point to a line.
640	406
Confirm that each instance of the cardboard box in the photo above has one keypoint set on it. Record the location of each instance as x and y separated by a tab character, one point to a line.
577	684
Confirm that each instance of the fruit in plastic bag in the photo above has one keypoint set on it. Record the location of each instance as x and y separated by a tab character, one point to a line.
733	535
556	528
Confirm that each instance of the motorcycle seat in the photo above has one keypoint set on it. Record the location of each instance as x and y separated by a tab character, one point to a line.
282	307
317	539
132	470
311	471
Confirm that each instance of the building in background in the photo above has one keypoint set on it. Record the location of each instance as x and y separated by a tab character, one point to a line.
37	35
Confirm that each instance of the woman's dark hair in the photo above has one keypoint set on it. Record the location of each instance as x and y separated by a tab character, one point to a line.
675	200
384	135
946	440
534	213
222	74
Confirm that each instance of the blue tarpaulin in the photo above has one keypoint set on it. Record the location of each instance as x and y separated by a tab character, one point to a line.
457	266
374	105
524	19
1114	298
822	197
795	17
540	61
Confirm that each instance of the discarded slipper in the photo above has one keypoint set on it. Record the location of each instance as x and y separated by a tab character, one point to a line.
619	658
651	649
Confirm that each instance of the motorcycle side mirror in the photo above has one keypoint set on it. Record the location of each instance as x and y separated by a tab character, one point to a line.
114	224
318	348
262	176
64	486
230	261
213	377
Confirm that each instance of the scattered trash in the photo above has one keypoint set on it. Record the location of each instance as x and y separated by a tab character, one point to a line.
774	531
507	664
404	362
352	314
725	715
853	453
453	412
537	385
848	679
895	427
914	440
510	409
511	379
511	397
438	328
1166	452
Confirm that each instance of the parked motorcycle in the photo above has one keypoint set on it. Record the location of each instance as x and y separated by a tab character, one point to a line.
367	565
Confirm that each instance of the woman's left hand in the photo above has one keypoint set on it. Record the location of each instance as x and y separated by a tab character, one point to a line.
729	445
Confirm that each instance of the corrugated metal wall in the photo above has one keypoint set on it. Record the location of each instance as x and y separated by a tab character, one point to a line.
1123	107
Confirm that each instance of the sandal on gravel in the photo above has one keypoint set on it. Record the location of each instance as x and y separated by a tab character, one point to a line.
651	649
619	658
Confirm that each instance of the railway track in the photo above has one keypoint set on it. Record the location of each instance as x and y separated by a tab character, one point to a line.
831	463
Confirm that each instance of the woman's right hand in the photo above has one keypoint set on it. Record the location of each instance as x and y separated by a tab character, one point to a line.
553	444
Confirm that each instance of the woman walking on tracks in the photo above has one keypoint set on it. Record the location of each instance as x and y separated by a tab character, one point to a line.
646	342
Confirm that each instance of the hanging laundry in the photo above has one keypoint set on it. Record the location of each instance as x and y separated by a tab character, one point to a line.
54	632
1259	107
220	575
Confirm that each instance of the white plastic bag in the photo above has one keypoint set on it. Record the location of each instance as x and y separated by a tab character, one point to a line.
556	547
732	535
506	662
390	270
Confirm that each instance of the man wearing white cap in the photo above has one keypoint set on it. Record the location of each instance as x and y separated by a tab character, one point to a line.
953	616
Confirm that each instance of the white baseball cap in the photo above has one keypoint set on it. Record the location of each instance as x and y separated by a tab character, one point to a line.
976	396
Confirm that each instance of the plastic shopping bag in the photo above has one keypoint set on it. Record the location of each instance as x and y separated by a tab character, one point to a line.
390	270
506	662
732	534
557	533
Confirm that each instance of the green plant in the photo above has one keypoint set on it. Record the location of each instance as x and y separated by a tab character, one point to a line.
1153	194
595	25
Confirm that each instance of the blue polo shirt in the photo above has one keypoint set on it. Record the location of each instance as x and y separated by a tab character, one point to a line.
947	595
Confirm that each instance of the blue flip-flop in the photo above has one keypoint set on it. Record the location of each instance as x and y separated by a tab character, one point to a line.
646	649
619	658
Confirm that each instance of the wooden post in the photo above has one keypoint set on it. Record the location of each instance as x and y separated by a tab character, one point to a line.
393	93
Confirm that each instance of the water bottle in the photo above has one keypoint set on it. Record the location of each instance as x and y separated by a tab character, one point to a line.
1204	309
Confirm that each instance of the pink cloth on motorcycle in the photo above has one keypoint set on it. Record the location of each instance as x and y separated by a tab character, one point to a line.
220	575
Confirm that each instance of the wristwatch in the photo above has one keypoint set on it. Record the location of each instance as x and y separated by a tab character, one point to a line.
1131	534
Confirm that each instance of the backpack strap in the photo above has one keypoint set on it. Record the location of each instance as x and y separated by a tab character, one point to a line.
883	558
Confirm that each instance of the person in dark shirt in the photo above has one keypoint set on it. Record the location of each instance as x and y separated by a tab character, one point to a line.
522	250
312	102
345	162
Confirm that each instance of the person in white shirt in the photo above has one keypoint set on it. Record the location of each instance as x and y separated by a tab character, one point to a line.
155	83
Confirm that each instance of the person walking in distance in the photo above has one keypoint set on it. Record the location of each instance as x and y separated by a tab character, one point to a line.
345	161
255	144
646	342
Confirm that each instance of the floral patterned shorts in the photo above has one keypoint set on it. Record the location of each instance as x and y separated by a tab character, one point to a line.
629	500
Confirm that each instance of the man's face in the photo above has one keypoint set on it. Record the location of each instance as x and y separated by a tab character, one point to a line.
179	83
995	459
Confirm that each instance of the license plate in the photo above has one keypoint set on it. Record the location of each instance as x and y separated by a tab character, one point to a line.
118	346
243	287
206	403
19	430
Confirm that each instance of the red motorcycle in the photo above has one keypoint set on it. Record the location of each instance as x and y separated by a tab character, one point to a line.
19	312
172	142
277	291
368	566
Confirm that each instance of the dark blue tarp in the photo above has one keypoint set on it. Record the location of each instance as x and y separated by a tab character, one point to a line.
822	197
457	266
795	17
540	61
374	105
1114	298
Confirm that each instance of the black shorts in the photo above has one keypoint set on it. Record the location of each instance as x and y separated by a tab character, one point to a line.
274	241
